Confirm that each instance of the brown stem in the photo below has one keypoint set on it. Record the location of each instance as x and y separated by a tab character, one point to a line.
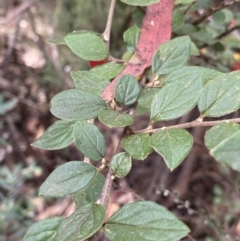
191	238
213	10
221	36
188	8
228	32
190	125
107	31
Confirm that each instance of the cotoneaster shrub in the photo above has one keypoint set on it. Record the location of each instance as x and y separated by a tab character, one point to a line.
159	81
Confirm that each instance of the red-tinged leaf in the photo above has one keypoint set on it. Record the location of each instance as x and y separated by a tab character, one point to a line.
236	66
97	63
156	30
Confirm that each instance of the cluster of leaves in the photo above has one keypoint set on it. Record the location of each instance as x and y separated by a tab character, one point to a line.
220	53
171	91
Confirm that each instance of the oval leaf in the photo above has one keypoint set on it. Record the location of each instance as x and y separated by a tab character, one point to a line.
89	81
146	96
131	37
127	90
223	141
114	118
187	71
137	146
177	98
76	105
68	179
108	71
194	49
91	193
57	41
137	16
178	19
57	136
219	17
82	224
87	45
139	2
89	140
171	55
121	164
141	221
184	1
173	145
220	96
43	230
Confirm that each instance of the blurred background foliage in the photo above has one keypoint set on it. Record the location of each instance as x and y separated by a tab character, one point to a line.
203	193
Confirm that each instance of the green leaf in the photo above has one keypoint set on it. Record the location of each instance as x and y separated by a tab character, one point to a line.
187	29
82	224
121	164
131	37
87	45
108	71
171	55
173	145
67	179
220	96
137	16
91	193
76	105
89	140
89	81
219	17
146	96
194	49
7	106
184	1
141	110
178	19
114	118
57	41
177	98
202	4
127	90
43	230
228	15
185	72
139	2
203	35
57	136
223	141
137	146
141	221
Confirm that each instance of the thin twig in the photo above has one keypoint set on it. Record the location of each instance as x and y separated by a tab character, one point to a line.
190	125
188	8
106	191
107	32
191	238
222	35
18	11
228	32
213	10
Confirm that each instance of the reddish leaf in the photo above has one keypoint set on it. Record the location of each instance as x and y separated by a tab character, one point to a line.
156	30
97	63
236	66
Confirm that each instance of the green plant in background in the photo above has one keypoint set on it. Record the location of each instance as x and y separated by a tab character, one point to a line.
157	81
15	208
